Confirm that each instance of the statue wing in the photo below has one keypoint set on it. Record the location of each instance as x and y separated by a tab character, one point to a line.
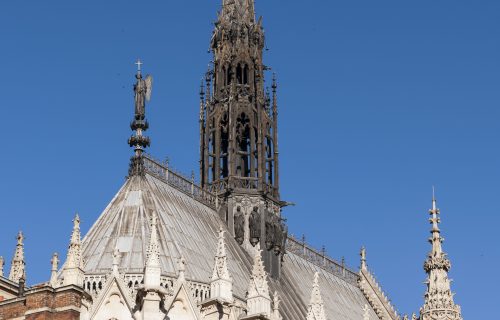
149	86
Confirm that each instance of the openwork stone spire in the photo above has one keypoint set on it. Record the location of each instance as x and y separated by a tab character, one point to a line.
316	309
439	302
54	262
152	269
258	299
73	268
18	266
221	285
142	92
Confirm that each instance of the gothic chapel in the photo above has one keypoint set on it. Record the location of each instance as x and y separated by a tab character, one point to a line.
168	248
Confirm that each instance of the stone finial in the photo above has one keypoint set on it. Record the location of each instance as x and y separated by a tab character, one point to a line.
73	268
181	267
117	257
2	263
363	258
414	316
152	268
53	270
258	299
438	297
18	265
221	283
366	312
316	309
276	307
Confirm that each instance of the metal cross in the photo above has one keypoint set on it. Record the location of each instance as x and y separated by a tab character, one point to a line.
139	64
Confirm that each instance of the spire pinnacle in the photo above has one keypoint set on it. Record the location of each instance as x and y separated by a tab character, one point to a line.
152	269
363	258
18	265
316	309
73	268
53	270
221	284
438	297
258	299
142	93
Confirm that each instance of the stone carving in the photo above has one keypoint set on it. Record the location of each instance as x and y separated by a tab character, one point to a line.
142	90
239	226
255	225
18	265
439	304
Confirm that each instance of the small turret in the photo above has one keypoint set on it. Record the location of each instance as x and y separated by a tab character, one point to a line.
18	265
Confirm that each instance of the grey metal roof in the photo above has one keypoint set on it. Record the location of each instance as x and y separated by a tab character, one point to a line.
187	228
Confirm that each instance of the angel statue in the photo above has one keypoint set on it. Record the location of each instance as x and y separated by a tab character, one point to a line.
142	91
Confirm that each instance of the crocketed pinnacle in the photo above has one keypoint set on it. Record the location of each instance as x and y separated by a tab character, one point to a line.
153	252
221	283
316	309
439	302
74	258
152	268
258	299
18	265
258	279
221	270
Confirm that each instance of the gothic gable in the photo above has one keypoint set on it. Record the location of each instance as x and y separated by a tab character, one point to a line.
181	305
113	302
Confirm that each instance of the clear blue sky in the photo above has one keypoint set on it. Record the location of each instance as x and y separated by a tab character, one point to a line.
379	101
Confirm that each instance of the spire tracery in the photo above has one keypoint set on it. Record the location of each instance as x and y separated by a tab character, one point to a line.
439	304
